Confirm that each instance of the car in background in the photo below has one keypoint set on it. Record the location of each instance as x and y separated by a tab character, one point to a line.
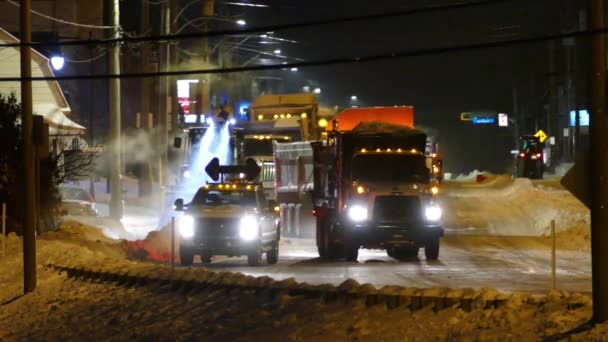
75	201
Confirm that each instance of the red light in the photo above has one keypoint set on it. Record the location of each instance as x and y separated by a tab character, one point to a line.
538	155
523	155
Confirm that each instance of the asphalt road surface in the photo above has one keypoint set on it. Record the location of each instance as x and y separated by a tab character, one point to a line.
505	263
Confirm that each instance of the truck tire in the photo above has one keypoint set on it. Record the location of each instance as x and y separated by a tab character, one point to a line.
431	249
351	253
254	258
322	239
186	256
272	256
403	253
206	258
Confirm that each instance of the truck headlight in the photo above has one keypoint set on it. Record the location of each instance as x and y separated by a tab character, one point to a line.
433	213
248	228
186	227
357	213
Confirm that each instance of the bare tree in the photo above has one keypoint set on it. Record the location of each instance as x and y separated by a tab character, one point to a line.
73	161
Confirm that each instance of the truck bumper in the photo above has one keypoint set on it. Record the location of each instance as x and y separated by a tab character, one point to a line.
381	236
221	246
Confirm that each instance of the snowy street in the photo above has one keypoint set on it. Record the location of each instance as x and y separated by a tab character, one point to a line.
497	236
496	240
507	264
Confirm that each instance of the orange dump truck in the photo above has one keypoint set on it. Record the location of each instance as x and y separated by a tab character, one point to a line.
371	185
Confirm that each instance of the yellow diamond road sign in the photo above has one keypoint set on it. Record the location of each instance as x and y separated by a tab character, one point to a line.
541	135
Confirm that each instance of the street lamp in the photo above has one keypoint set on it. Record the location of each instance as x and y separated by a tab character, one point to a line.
57	62
353	98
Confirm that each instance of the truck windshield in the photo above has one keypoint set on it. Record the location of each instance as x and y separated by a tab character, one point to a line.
216	198
530	145
258	147
390	167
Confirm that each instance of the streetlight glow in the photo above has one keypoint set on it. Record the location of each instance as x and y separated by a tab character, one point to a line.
277	51
317	91
241	22
57	62
354	97
294	69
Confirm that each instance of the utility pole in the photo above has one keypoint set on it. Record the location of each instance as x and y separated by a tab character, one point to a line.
30	214
208	10
163	129
599	168
115	116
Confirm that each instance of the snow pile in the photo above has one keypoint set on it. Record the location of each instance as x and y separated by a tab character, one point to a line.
156	246
62	308
471	176
517	209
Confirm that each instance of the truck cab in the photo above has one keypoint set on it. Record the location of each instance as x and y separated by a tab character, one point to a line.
231	217
391	205
374	187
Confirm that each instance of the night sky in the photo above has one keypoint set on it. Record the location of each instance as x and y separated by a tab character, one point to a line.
439	86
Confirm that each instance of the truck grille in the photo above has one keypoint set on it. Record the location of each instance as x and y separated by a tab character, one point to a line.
397	209
268	171
212	228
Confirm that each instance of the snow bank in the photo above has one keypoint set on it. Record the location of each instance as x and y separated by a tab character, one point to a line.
68	309
467	177
520	208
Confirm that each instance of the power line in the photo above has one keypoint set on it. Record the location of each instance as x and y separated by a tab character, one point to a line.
61	20
264	29
327	62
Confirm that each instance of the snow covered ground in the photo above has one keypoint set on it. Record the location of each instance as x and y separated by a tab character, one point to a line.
63	308
501	206
496	238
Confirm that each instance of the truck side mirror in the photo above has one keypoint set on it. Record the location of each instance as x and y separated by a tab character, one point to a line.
178	205
177	142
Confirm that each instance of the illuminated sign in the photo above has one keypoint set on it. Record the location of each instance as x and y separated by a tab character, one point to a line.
583	118
183	94
503	120
483	120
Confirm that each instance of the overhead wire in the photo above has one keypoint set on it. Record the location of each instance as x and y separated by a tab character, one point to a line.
62	21
332	61
280	27
92	59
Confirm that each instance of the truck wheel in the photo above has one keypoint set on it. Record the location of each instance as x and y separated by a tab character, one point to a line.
254	258
186	256
272	256
351	253
403	253
322	239
206	258
431	249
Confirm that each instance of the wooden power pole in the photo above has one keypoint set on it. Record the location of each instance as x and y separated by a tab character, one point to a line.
599	168
115	116
29	214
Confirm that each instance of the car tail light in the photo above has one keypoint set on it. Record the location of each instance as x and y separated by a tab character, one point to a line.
539	155
522	155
